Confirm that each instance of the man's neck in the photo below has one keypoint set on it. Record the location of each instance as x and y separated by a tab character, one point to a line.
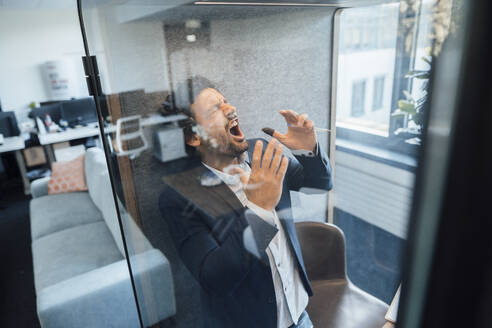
219	162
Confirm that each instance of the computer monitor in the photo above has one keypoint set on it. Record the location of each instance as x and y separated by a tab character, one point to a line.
53	110
8	124
79	111
50	102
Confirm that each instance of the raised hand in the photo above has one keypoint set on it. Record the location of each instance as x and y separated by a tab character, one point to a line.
300	132
263	187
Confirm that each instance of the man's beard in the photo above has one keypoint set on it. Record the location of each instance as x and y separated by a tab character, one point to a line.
222	144
225	146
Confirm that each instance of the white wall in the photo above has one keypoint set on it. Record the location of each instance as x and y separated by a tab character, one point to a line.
130	55
28	38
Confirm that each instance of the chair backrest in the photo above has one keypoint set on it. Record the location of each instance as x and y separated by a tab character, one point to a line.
323	250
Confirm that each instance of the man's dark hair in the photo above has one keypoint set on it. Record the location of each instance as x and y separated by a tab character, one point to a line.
184	96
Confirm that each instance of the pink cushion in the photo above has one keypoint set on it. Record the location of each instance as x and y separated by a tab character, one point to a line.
67	176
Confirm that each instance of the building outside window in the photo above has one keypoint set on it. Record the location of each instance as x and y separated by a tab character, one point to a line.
358	98
378	93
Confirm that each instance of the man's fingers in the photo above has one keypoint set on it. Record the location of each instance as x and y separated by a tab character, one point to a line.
309	124
279	135
293	113
302	118
242	175
274	133
283	167
256	161
277	158
289	115
268	131
267	156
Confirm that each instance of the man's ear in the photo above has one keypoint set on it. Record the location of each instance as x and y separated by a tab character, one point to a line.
193	141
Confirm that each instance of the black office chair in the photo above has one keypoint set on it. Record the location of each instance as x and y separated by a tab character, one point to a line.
337	303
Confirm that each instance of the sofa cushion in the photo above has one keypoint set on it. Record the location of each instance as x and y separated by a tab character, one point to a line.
67	176
70	252
54	213
104	297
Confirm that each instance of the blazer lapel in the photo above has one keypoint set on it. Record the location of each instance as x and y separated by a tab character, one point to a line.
205	190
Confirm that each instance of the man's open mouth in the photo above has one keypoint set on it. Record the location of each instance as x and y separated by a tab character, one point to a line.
235	130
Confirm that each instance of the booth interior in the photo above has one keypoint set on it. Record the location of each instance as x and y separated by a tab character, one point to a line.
93	167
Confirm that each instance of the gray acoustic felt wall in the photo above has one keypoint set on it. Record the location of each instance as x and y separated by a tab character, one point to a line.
263	64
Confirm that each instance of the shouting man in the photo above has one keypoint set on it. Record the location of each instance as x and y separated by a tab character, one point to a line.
237	190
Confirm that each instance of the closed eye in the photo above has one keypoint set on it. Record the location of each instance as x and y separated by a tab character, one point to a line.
214	109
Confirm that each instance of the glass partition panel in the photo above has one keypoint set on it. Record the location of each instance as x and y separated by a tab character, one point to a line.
219	132
242	69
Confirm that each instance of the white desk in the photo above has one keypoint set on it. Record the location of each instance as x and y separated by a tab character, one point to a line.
69	134
12	144
91	130
159	119
47	139
16	144
153	119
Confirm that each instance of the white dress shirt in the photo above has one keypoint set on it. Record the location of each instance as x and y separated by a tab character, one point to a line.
290	293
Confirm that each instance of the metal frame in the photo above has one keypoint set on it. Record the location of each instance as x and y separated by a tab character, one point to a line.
333	108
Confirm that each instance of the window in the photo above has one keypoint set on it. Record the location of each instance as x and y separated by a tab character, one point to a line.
372	61
358	98
377	93
389	49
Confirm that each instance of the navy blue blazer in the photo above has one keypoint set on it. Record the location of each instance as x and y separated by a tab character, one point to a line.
206	222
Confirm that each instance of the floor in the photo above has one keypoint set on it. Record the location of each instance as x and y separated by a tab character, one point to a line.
17	297
373	256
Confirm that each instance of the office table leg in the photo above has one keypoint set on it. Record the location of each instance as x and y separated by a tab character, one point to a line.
23	171
49	153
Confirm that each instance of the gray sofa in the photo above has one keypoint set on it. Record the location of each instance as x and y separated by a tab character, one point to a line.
80	271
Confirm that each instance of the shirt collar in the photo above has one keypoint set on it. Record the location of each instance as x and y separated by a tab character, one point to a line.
229	179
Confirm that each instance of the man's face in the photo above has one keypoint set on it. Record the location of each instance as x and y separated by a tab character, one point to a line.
219	130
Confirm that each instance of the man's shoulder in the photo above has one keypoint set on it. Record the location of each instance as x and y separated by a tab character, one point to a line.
252	142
